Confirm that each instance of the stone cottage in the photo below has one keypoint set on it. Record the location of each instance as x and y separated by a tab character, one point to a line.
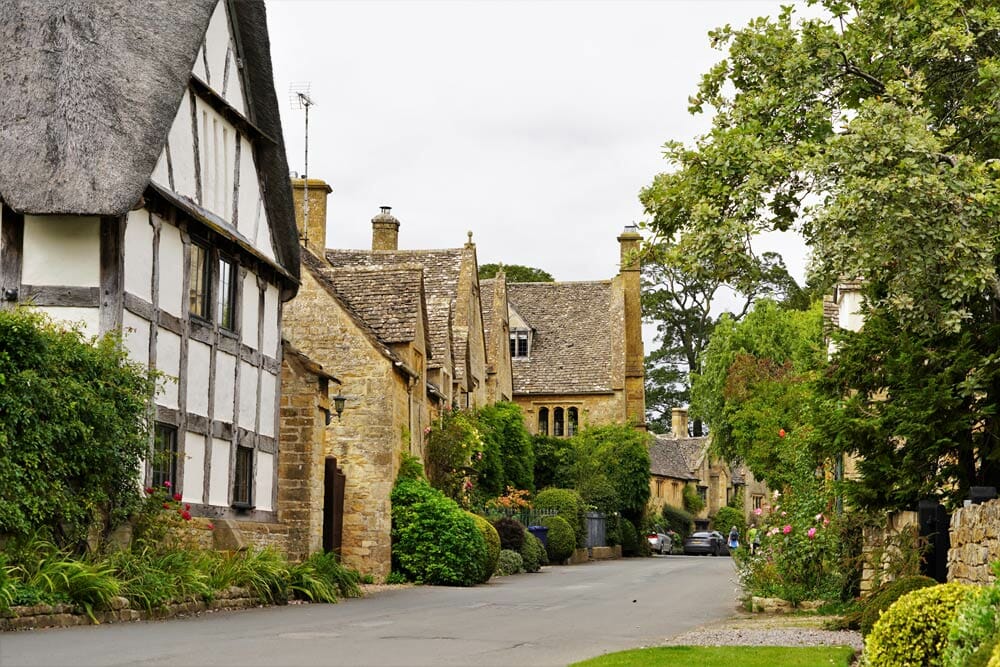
368	323
496	326
144	192
576	349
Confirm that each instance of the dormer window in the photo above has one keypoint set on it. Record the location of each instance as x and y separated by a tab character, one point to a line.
520	343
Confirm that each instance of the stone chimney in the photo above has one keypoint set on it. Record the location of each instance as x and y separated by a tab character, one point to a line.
312	234
385	230
629	274
679	422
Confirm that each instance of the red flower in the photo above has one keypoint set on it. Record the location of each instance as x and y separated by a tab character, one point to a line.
166	506
177	497
149	490
167	484
186	515
781	433
211	526
187	507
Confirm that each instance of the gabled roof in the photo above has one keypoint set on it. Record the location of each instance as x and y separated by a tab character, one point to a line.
322	271
571	347
676	457
91	88
389	299
438	318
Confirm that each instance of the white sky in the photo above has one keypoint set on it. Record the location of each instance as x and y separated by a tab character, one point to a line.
532	124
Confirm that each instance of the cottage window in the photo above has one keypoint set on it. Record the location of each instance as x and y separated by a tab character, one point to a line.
703	494
227	294
557	422
758	502
543	421
200	290
164	460
573	421
243	478
519	343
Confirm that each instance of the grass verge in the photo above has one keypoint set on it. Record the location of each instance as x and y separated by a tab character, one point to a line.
726	656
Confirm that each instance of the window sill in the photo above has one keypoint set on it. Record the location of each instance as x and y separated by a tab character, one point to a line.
243	507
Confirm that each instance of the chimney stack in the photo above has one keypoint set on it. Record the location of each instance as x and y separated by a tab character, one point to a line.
629	278
312	235
385	230
679	422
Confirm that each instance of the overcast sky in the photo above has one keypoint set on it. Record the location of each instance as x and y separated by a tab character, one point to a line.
532	124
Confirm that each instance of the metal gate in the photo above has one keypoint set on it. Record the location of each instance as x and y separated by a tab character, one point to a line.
596	529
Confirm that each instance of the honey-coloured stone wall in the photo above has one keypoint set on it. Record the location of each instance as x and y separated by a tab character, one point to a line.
975	543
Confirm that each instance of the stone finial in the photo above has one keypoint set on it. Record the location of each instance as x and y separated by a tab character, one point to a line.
469	243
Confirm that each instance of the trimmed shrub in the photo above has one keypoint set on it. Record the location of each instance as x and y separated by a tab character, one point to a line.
678	520
569	506
492	540
410	467
511	533
532	553
561	541
433	540
726	518
975	631
510	562
630	539
883	598
913	631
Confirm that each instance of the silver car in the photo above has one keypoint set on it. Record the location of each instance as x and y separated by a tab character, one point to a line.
659	543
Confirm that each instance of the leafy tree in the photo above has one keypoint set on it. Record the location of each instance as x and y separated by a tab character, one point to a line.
873	131
619	454
515	273
503	424
73	429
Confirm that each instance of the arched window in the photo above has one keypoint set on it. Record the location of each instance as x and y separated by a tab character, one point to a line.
573	422
543	421
557	422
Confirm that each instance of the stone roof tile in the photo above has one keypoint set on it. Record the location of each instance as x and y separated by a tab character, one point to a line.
675	457
387	297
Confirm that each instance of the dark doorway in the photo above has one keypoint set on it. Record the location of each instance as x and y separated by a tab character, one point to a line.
334	482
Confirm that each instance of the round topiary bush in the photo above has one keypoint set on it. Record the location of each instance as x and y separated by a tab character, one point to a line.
510	563
974	634
511	533
630	539
883	598
492	540
560	538
433	540
569	506
913	631
532	553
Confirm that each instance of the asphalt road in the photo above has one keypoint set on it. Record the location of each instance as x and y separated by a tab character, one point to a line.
560	615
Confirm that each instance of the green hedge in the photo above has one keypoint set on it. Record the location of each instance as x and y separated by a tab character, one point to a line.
630	538
433	540
726	518
570	507
510	562
913	632
492	540
882	599
678	520
561	542
533	554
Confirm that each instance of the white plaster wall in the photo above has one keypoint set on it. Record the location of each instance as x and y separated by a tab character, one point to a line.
850	311
218	486
271	334
171	270
216	46
262	240
62	250
168	360
182	153
86	319
265	481
199	64
160	174
249	199
136	331
268	384
225	378
248	396
199	364
249	309
194	468
234	90
217	142
139	254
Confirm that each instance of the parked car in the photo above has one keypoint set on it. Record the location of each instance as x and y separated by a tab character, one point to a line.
660	543
706	542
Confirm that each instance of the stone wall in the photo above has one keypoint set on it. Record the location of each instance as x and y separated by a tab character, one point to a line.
975	543
882	548
594	409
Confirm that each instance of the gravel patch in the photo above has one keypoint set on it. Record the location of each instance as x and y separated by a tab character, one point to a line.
768	637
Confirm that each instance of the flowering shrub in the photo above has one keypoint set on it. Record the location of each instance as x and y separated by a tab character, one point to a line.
452	449
512	499
799	554
160	521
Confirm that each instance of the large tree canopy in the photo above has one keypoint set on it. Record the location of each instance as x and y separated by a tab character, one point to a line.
515	273
874	132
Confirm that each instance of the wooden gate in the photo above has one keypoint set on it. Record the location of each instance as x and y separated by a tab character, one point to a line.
334	482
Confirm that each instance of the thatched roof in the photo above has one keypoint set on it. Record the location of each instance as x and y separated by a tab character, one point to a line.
91	88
